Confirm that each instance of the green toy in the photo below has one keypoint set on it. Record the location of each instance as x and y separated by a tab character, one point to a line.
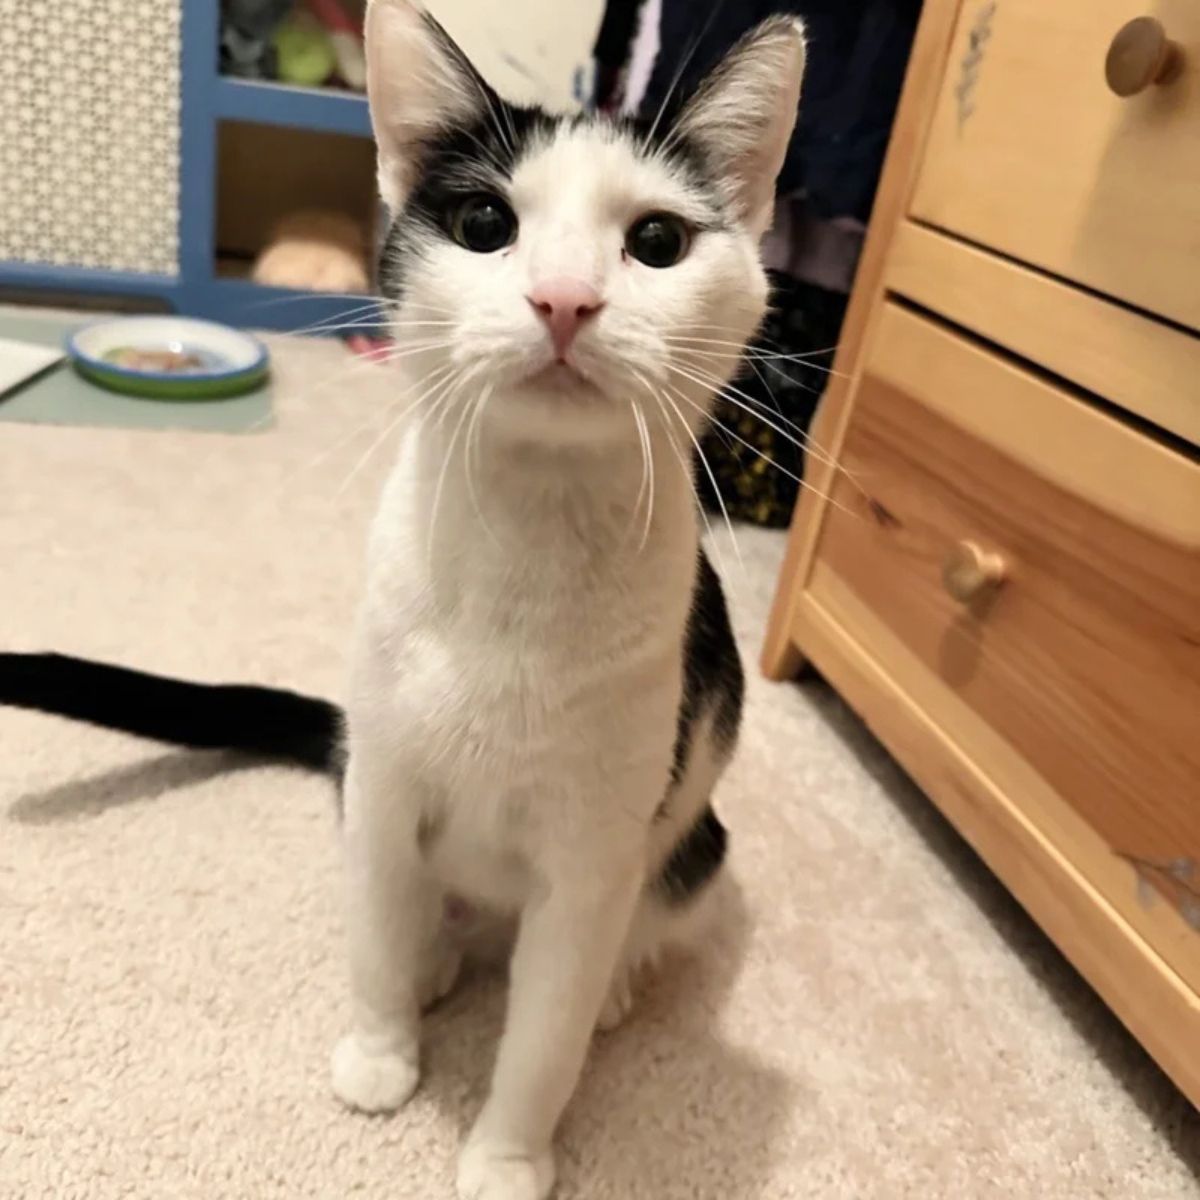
304	53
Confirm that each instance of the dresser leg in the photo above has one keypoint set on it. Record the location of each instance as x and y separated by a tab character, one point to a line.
782	660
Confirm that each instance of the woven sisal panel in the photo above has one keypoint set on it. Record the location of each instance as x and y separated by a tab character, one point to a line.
89	133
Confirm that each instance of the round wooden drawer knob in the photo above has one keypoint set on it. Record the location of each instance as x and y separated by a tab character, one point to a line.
1141	54
970	572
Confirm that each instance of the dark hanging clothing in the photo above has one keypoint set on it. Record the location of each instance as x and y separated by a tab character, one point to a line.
857	54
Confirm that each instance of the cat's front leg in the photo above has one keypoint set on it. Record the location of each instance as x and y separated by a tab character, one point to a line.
569	940
394	917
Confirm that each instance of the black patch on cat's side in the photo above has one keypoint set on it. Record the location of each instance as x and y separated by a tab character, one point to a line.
697	857
713	682
712	669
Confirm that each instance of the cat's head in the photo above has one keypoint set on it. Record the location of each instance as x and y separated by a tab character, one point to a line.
572	267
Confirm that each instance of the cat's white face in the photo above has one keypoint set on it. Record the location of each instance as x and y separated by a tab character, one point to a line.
570	268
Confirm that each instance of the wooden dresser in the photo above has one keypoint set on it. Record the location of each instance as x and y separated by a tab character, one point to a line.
1003	573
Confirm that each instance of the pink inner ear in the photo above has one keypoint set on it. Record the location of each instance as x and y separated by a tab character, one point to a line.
418	83
746	114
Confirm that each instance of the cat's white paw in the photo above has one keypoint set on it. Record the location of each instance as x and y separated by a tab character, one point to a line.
370	1079
487	1171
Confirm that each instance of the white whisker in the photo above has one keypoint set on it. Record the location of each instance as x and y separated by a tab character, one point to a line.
302	296
767	459
647	474
712	479
810	445
441	483
807	444
440	378
474	435
684	63
694	346
688	473
365	315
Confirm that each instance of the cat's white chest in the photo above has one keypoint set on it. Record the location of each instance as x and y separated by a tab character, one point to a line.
515	676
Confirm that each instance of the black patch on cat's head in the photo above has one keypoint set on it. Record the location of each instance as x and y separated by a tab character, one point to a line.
483	156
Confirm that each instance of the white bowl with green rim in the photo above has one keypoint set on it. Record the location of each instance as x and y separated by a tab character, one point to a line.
168	357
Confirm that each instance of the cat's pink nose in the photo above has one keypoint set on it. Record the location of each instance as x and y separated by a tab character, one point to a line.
564	304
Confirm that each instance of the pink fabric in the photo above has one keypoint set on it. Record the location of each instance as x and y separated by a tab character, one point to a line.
823	252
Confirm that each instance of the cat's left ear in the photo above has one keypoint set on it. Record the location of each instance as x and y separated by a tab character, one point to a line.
420	85
741	116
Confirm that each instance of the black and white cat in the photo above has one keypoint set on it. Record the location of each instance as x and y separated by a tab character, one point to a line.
545	687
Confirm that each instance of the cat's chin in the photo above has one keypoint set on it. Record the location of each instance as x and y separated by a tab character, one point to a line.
557	405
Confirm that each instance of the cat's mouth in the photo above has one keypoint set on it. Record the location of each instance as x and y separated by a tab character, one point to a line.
560	375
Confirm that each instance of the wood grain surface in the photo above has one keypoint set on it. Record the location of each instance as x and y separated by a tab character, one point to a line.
1085	662
1032	153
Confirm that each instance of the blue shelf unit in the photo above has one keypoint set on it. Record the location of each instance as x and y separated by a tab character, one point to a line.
300	108
207	99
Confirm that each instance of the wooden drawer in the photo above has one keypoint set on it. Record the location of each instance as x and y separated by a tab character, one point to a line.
1030	152
1135	362
1074	686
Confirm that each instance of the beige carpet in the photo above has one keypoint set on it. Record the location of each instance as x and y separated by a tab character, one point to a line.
875	1020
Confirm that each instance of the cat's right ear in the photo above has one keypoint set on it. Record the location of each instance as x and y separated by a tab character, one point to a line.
420	84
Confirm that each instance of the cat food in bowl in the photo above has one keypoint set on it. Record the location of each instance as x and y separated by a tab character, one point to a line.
168	358
134	358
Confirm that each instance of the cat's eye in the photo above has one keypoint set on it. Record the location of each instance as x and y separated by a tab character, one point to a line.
658	240
483	224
